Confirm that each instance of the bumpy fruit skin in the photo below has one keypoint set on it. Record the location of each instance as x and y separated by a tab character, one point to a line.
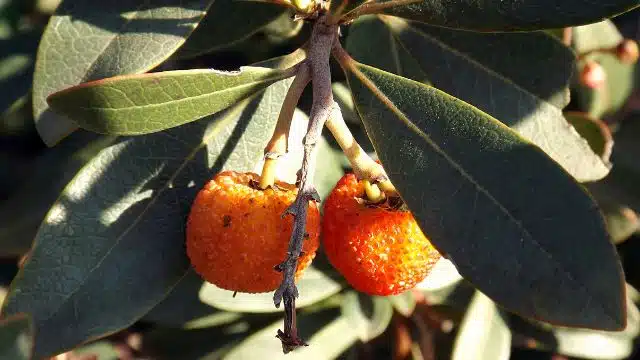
379	250
236	235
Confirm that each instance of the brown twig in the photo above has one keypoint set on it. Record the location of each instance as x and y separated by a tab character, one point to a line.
322	38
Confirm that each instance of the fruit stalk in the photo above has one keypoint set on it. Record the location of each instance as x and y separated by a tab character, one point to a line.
363	165
278	145
323	37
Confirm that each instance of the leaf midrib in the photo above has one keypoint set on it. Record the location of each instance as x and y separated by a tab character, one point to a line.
151	202
179	101
387	102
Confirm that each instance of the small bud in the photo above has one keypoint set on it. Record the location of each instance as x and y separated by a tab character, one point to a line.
593	75
627	51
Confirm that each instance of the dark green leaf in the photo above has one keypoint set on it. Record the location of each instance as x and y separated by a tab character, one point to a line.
228	22
17	58
483	333
16	338
621	186
142	104
181	305
507	215
90	40
112	246
497	73
620	79
510	15
595	131
42	180
582	343
368	316
313	287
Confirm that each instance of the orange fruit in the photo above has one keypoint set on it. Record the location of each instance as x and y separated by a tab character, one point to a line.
236	234
378	248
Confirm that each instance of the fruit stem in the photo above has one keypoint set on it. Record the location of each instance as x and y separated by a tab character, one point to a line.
373	192
322	39
363	165
279	145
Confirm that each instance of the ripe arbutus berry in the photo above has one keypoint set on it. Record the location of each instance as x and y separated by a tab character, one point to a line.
236	234
378	248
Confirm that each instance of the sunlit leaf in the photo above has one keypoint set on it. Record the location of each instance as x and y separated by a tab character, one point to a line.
327	333
595	131
497	73
476	188
367	315
403	303
483	333
313	286
142	104
112	246
90	40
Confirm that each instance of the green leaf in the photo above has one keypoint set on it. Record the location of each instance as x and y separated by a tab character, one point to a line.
497	73
90	40
483	333
112	246
621	186
368	316
507	215
313	286
327	333
182	305
103	350
228	22
41	183
443	275
620	81
622	222
342	96
16	338
510	15
595	131
403	303
143	104
582	343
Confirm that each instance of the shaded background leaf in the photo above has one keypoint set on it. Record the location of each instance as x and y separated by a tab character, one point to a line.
620	80
89	40
510	15
16	338
228	22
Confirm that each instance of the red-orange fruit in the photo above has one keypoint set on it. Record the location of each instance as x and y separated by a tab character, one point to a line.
378	248
236	234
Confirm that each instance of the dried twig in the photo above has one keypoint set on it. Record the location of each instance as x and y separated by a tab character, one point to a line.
322	39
